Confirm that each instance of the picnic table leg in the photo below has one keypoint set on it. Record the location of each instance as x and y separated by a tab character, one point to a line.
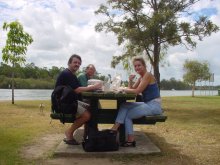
92	123
122	127
122	134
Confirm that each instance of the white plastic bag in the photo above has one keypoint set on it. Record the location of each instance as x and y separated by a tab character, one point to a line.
96	81
116	82
106	86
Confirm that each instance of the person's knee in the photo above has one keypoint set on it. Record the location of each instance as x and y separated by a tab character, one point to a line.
86	116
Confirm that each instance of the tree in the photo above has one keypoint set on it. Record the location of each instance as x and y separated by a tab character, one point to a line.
54	71
16	47
150	27
195	71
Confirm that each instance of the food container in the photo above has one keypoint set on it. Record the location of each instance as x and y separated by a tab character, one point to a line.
96	81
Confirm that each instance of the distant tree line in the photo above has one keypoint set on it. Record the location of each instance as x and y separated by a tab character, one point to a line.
31	76
174	84
30	71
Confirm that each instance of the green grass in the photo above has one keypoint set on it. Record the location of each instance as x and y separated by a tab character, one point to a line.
191	134
20	124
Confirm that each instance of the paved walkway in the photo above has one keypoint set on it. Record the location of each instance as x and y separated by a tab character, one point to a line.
143	146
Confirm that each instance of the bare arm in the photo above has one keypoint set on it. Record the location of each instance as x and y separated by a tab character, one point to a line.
143	83
134	85
88	88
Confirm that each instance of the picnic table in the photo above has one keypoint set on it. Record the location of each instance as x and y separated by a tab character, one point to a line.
100	115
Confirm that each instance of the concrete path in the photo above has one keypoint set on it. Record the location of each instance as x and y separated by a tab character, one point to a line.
143	146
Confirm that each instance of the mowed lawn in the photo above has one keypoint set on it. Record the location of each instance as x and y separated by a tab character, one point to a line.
191	134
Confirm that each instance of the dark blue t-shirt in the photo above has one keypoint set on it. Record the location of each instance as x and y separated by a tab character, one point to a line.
67	78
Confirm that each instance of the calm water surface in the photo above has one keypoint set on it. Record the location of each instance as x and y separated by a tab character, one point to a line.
44	94
26	94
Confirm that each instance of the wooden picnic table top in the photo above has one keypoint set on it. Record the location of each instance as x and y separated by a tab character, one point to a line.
108	95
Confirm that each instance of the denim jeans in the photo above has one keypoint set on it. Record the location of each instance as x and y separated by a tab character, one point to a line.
135	110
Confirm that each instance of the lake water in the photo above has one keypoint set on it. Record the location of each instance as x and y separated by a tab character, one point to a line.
44	94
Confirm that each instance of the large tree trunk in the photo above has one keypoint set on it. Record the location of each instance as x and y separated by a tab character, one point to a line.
157	74
156	61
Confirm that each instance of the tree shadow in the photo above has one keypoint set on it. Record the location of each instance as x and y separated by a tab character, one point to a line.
194	117
170	154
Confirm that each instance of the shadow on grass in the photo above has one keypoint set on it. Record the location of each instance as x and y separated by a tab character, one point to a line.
170	154
195	116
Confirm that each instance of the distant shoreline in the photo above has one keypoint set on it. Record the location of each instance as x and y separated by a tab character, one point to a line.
45	94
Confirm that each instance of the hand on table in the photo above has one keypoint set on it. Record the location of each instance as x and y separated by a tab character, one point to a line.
97	86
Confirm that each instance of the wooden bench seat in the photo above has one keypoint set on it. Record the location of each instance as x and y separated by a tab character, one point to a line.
107	116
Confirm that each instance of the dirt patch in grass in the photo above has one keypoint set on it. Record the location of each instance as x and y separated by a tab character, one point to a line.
42	147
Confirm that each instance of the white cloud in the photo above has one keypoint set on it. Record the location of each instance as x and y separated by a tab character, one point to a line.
207	50
63	27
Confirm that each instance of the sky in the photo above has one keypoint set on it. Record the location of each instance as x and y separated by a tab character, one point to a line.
61	28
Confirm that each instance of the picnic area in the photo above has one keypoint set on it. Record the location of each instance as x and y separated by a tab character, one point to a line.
190	135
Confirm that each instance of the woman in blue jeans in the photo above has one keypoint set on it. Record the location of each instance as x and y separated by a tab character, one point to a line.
151	105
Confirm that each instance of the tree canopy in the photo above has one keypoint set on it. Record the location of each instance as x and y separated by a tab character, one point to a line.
150	27
16	43
195	71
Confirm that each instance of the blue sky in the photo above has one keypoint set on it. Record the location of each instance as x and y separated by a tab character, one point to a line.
63	27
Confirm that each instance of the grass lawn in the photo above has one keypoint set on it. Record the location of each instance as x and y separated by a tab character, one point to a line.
21	124
191	134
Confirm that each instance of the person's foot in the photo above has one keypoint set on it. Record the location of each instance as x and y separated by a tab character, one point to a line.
129	144
71	141
115	127
69	136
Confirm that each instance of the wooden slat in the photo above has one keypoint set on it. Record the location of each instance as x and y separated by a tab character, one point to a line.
108	95
108	117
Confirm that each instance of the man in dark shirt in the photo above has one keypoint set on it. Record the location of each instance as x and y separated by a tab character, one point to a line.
68	78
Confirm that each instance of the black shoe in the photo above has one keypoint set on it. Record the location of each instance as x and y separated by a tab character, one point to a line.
128	144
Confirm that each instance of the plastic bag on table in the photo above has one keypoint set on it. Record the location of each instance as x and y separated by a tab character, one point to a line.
116	82
96	81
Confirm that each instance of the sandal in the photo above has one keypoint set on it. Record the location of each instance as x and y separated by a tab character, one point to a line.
129	144
71	141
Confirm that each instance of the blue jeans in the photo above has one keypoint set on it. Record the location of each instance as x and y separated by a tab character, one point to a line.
135	110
